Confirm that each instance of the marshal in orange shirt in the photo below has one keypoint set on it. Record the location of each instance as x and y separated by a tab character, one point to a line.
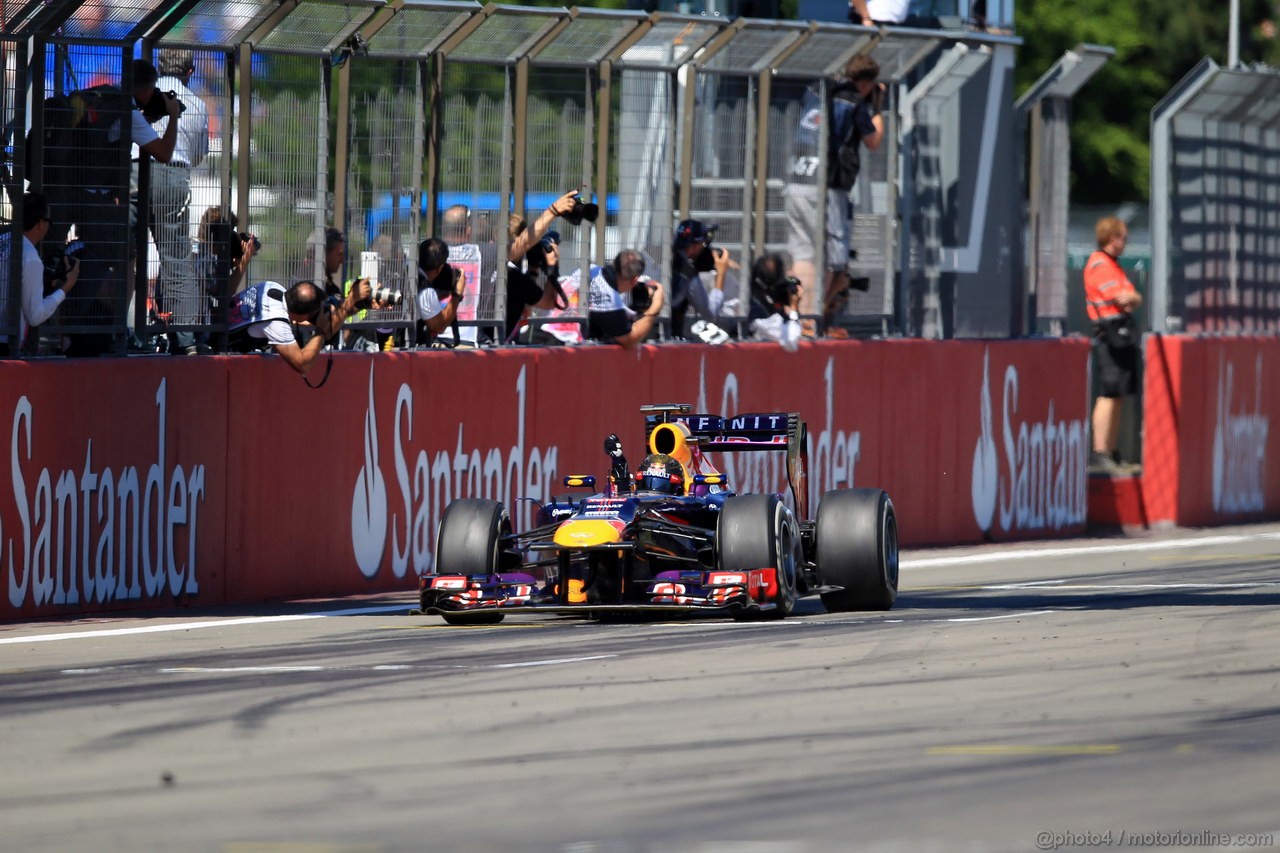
1104	282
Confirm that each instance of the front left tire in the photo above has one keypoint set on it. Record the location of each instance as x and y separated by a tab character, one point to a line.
756	532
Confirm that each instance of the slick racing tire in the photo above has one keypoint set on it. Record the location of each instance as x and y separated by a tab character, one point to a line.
758	532
857	548
470	539
470	542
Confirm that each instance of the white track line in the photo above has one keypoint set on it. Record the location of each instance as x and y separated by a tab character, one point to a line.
1118	548
195	626
548	662
993	618
908	563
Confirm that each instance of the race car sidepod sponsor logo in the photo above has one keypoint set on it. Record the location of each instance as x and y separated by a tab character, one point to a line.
1042	484
101	534
427	484
1239	446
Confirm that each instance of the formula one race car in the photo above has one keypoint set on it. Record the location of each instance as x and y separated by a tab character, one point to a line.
671	537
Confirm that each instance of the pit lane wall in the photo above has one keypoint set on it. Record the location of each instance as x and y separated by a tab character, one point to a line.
1210	455
153	482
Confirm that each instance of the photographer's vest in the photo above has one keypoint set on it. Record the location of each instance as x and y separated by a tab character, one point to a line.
260	303
843	157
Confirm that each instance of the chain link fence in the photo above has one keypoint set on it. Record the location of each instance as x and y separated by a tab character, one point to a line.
391	123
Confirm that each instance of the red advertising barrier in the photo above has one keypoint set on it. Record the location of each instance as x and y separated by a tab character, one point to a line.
1209	454
244	484
117	487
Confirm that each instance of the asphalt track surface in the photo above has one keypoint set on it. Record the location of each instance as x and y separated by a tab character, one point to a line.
1017	698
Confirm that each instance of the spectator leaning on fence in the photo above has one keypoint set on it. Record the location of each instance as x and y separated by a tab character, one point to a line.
608	317
266	315
36	307
1111	299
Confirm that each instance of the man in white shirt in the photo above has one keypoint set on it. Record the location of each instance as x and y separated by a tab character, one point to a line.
872	12
36	307
178	293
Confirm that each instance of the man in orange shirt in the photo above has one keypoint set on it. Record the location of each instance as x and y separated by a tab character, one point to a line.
1111	300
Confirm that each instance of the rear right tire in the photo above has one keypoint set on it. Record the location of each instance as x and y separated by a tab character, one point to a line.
857	549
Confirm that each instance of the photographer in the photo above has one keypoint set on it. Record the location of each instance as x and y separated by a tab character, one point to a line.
692	255
177	291
775	302
265	315
526	291
852	115
535	286
98	207
440	291
608	317
222	258
36	307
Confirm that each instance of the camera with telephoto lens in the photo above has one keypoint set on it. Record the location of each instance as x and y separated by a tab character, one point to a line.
240	241
154	109
782	292
705	261
388	297
58	267
582	210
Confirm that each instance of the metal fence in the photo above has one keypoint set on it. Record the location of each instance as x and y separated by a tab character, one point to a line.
393	121
1215	202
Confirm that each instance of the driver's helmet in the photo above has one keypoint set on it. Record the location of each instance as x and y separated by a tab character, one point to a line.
661	473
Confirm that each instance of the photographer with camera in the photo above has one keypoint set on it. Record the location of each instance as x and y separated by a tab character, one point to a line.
535	286
525	291
265	315
222	258
96	200
440	292
608	316
36	306
775	303
852	116
692	255
177	291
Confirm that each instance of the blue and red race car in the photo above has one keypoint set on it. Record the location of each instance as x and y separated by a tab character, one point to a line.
671	536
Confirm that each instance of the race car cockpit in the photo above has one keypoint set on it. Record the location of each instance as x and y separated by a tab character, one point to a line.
661	473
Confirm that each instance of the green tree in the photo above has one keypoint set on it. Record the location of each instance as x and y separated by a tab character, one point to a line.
1157	42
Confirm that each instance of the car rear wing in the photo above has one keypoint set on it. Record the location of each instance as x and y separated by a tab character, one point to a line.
778	431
